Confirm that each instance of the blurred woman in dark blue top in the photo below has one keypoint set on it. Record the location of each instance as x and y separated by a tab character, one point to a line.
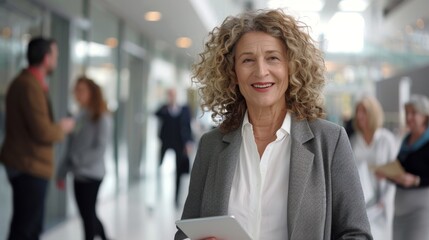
411	218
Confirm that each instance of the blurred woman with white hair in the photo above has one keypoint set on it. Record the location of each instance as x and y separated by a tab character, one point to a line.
411	218
374	145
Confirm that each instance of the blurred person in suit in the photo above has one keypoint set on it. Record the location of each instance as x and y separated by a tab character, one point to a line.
273	162
374	145
175	133
27	151
411	218
84	156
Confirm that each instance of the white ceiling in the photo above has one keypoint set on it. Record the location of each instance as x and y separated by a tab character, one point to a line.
180	18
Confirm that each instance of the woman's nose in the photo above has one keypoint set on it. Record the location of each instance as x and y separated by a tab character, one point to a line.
262	68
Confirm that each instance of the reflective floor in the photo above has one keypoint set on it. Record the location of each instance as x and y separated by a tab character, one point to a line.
146	211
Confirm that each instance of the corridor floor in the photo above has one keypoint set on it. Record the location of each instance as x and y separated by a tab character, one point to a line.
145	212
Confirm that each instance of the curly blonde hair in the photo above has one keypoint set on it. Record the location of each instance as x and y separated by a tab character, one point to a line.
217	81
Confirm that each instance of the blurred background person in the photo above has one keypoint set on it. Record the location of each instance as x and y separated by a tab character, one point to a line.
84	156
175	133
348	126
273	163
374	145
411	218
27	151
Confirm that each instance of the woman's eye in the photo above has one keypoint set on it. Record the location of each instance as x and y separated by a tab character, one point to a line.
247	60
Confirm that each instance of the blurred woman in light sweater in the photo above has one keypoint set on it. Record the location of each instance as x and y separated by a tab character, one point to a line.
84	156
374	145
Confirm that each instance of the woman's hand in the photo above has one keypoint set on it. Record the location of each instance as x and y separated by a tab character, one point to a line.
407	180
379	175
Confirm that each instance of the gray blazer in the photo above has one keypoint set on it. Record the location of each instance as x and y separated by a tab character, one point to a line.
325	196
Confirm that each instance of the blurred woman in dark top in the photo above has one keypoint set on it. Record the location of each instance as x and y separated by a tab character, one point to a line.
411	218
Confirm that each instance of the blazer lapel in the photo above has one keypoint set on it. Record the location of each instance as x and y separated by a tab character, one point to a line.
227	163
301	162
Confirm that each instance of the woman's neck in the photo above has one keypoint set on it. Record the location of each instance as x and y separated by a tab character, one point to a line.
267	120
265	125
416	134
368	136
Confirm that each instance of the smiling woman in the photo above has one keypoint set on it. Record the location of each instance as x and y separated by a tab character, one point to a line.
272	162
262	71
216	70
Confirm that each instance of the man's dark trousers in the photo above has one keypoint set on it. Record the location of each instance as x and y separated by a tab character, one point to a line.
29	194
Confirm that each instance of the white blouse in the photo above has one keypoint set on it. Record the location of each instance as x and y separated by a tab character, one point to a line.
379	194
259	190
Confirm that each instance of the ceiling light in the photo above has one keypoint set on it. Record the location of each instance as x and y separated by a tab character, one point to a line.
183	42
353	5
6	32
152	16
111	42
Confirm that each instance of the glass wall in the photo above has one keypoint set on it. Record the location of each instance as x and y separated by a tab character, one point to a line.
102	56
103	68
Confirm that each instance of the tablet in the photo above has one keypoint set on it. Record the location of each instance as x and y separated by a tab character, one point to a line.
221	227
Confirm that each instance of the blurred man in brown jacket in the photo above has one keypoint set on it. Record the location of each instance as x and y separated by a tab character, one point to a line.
27	151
